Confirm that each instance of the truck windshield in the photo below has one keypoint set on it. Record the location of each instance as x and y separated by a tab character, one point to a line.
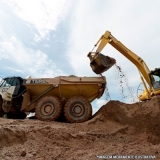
1	81
7	82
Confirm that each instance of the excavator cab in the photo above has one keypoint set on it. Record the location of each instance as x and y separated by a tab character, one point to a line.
100	63
155	78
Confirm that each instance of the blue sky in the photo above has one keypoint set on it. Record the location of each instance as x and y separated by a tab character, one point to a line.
46	38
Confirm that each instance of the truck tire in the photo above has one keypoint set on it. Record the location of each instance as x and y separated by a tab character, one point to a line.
77	109
1	110
48	108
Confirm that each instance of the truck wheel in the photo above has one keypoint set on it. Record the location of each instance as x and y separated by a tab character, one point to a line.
1	110
77	109
48	108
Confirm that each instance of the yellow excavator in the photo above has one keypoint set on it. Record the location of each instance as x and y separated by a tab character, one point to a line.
101	63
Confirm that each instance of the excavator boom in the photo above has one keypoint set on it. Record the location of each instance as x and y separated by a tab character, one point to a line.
99	64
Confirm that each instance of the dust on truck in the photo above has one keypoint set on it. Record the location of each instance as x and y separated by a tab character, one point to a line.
50	98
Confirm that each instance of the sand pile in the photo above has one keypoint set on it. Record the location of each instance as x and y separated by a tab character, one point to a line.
116	129
143	116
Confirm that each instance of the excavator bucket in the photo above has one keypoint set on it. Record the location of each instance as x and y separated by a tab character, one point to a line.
100	63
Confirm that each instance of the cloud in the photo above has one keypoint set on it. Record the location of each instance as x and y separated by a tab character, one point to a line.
43	15
25	43
25	60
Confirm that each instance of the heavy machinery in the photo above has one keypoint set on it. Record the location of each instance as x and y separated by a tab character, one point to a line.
11	91
100	63
50	98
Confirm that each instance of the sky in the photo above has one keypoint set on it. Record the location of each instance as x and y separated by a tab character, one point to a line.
46	38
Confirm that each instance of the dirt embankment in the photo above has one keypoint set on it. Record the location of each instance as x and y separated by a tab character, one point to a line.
116	129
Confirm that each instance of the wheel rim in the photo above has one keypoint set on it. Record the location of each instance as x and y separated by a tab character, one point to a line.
47	109
77	110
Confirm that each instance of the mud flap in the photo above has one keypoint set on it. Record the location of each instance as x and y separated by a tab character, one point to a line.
101	63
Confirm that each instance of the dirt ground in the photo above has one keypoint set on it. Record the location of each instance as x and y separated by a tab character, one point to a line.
117	129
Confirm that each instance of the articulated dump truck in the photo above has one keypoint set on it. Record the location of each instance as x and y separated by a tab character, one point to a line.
50	98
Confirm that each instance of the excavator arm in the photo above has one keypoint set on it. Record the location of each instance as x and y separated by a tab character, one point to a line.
95	57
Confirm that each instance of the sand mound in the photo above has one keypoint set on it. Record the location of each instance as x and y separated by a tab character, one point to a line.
143	116
116	129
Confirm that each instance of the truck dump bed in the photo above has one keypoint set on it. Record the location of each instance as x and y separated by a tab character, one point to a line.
65	87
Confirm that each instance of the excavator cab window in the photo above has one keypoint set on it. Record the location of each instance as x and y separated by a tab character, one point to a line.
155	78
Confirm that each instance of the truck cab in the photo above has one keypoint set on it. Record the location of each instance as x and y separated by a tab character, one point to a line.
11	94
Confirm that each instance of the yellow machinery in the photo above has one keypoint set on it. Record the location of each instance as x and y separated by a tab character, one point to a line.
100	63
50	98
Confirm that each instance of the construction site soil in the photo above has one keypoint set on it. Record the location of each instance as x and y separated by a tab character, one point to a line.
117	129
